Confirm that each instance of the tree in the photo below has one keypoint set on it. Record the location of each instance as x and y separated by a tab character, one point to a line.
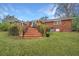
9	19
75	23
14	31
69	10
44	18
4	26
66	9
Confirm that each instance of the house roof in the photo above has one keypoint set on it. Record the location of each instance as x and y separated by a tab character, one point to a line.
50	20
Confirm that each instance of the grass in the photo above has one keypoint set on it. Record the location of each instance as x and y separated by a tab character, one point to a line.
58	44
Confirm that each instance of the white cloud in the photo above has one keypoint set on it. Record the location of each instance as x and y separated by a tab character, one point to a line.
62	15
50	10
3	11
7	9
3	14
4	8
11	8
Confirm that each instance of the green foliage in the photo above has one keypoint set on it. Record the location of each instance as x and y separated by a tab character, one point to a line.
6	22
13	30
43	28
11	24
75	24
21	28
4	26
44	18
9	18
16	28
47	34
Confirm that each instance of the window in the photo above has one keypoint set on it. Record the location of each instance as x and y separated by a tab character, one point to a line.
56	22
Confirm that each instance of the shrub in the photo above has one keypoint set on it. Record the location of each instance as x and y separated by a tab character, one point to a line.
14	31
75	24
4	26
21	29
43	28
47	34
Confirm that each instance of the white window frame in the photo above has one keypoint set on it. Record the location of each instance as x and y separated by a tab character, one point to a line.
57	22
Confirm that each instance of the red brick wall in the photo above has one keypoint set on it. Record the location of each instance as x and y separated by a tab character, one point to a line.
50	24
66	25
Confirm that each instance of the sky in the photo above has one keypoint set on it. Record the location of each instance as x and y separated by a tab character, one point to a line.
28	11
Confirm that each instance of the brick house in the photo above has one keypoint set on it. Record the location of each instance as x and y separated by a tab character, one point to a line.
63	25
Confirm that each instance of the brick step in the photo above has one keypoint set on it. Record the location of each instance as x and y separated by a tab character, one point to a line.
32	33
33	30
32	37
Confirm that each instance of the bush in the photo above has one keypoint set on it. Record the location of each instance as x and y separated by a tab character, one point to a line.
14	31
75	24
47	34
4	26
43	28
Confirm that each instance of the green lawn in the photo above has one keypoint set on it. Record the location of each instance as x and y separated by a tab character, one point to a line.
59	43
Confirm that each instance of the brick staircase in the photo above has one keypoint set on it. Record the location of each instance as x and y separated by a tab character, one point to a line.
32	32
